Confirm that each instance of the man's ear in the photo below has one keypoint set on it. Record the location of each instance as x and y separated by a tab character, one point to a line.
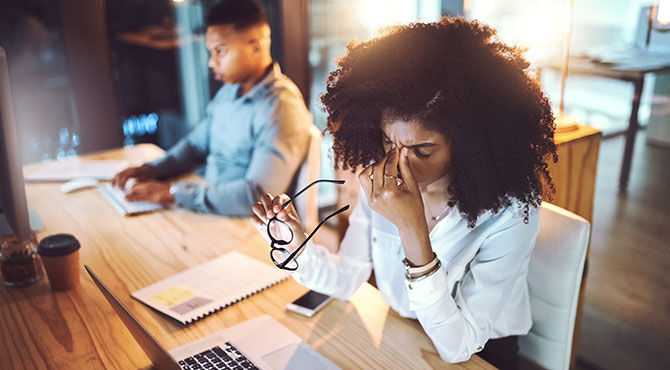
255	45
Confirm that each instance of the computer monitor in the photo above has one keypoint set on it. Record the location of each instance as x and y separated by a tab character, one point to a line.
14	215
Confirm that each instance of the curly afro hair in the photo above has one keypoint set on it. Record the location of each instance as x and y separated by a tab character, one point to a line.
458	80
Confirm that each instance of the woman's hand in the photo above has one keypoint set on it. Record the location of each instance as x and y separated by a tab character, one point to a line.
267	208
393	192
399	201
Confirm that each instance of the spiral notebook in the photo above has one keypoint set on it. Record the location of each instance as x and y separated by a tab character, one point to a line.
202	290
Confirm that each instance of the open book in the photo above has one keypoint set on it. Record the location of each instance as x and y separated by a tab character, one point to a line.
202	290
117	198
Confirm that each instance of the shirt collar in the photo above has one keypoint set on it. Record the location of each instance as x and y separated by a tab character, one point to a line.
262	87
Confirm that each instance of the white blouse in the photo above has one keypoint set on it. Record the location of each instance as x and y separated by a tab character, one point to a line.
479	292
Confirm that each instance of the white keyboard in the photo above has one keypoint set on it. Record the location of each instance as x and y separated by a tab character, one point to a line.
117	198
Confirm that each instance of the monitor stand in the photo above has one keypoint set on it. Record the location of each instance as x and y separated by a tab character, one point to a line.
36	223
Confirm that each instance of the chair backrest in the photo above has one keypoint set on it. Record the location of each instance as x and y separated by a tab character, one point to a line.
554	279
307	204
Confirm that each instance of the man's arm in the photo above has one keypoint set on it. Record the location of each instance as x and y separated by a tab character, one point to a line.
280	145
190	152
183	157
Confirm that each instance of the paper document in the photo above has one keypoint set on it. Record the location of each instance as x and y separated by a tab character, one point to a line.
202	290
70	168
117	198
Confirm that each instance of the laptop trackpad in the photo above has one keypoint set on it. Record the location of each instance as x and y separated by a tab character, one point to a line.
294	356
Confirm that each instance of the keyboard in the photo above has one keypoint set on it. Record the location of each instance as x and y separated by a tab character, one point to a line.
218	358
117	198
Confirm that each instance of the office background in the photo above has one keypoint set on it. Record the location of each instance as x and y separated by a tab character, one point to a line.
89	75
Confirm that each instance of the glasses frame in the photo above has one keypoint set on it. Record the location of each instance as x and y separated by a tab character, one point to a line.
274	242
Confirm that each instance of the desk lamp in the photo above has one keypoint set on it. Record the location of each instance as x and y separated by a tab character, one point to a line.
659	19
564	122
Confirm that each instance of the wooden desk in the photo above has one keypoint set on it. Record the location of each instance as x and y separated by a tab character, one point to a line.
79	330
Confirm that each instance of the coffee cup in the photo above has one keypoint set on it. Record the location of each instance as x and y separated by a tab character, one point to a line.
60	258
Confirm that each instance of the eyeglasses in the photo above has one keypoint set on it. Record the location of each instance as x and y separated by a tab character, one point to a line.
281	234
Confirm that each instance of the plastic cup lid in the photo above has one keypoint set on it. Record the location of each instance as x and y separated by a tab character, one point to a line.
58	245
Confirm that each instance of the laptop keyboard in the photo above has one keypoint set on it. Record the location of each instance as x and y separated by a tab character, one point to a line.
217	358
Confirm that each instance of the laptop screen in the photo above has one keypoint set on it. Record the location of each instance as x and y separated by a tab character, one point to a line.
156	353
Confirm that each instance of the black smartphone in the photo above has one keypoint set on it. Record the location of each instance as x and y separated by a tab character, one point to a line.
309	303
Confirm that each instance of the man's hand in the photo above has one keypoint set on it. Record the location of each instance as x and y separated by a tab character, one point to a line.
151	191
143	173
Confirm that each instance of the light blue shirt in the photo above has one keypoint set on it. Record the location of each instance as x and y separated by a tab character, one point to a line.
479	293
248	144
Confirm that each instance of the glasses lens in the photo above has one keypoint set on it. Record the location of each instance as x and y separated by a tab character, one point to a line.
279	256
280	231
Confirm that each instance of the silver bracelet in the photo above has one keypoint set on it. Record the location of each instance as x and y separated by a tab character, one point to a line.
409	277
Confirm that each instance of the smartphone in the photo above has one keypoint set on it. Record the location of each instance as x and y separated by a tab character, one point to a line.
309	303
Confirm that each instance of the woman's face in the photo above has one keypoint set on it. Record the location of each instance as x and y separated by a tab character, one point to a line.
429	154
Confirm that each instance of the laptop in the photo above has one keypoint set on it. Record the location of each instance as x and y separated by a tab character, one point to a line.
259	343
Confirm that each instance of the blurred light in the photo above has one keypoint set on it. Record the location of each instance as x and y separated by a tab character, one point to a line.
663	12
540	27
376	14
467	6
64	136
140	125
151	123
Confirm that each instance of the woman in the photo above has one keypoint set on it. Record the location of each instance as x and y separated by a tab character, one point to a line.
453	136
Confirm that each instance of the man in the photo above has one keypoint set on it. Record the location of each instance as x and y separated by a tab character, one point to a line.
255	133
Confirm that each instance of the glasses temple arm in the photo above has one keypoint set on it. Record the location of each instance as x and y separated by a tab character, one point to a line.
309	186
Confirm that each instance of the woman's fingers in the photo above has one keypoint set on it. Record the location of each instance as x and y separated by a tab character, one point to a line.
405	171
278	209
266	202
366	182
259	212
257	220
276	204
378	174
391	165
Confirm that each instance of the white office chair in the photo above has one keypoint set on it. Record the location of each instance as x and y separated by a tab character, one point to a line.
307	205
554	280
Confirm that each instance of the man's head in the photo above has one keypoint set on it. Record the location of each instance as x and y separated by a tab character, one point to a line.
238	40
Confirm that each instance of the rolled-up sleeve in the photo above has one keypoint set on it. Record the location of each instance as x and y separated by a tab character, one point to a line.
339	275
460	325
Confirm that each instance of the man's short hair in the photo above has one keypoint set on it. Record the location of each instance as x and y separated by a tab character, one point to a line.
242	14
